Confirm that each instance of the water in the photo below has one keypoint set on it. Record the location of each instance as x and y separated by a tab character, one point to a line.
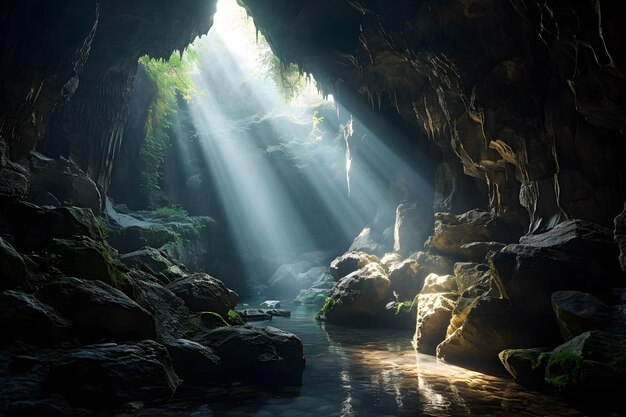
366	373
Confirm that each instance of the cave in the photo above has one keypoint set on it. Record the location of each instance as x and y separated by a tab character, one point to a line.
345	208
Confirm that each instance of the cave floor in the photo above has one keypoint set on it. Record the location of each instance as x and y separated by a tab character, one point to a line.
363	373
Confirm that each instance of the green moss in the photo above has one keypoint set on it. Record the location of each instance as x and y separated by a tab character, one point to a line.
328	304
565	370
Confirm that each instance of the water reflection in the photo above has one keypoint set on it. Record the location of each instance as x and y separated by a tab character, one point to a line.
367	373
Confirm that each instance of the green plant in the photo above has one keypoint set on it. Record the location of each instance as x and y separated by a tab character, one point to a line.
328	304
288	78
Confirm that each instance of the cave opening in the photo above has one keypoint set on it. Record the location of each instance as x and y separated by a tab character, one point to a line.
293	208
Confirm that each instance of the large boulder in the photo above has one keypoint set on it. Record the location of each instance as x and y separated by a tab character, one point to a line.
85	258
433	317
266	356
490	326
405	279
577	312
412	227
33	226
24	317
473	279
431	263
526	366
350	262
289	279
98	311
359	297
202	292
64	180
434	283
592	364
453	231
153	262
194	363
528	276
367	242
478	251
105	376
12	266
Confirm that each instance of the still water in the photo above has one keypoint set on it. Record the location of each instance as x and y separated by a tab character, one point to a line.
367	373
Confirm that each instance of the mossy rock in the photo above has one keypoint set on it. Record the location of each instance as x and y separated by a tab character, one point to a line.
85	258
133	238
526	366
205	321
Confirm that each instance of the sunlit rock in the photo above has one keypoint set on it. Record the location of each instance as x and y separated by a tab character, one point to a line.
359	296
439	284
109	375
433	317
431	263
12	267
193	363
526	366
469	275
412	227
24	317
98	310
202	292
390	259
270	304
257	355
577	312
350	262
452	231
367	242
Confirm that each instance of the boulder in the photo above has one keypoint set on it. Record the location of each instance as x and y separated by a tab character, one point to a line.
368	243
620	237
412	227
433	317
350	262
202	292
405	280
254	314
289	279
169	311
85	258
12	266
592	364
33	226
491	325
577	312
194	363
64	180
431	263
453	231
98	311
359	296
478	251
439	284
526	366
105	376
24	317
135	237
154	262
389	260
266	356
528	276
474	276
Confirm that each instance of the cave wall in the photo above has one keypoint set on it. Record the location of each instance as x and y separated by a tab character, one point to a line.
525	96
89	129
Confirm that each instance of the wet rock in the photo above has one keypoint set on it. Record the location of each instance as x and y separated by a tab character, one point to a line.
255	314
153	261
591	364
33	226
64	180
577	312
405	280
433	317
412	227
108	375
439	284
289	279
526	366
169	311
490	326
258	355
202	292
12	267
350	262
620	237
270	304
367	242
359	296
85	258
478	251
528	276
98	311
24	317
194	363
453	231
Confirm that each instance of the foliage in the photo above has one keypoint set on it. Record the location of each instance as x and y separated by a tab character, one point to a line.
171	80
328	304
173	212
288	78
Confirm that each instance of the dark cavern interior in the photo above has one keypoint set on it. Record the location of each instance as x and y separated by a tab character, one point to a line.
352	208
